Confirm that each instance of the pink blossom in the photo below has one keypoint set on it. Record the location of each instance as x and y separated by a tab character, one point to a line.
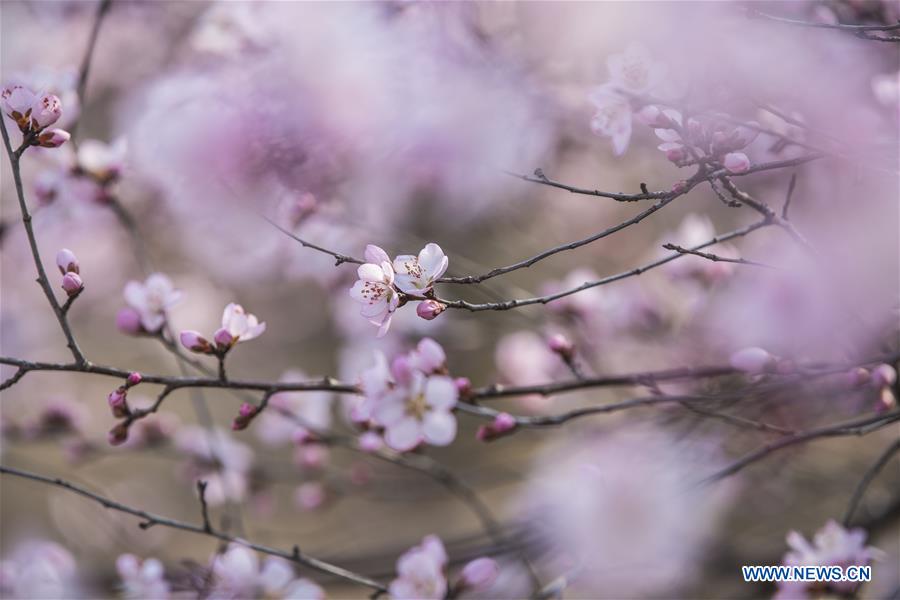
479	573
430	309
118	403
195	342
634	70
428	357
237	574
241	325
45	111
53	138
292	414
419	410
17	102
67	261
71	283
375	289
832	545
142	579
103	162
39	569
416	275
309	495
752	360
736	162
152	299
128	321
884	375
134	378
420	572
561	345
219	459
612	118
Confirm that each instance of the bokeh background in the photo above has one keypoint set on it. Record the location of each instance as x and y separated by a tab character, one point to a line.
394	123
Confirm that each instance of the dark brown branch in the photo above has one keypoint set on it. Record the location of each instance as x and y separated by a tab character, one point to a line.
150	520
539	177
339	258
204	507
857	427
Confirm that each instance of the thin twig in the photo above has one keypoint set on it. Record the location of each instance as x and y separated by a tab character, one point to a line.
716	257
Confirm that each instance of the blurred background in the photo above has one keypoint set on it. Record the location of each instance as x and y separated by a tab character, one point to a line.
396	124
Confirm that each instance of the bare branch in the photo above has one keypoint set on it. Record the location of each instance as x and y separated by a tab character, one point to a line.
867	478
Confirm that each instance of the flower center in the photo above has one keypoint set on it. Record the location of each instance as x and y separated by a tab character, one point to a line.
416	406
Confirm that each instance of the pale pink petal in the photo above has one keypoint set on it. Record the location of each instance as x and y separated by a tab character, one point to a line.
441	392
439	428
370	272
376	255
404	435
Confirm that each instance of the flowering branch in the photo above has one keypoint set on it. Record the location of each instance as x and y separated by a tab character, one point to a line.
151	519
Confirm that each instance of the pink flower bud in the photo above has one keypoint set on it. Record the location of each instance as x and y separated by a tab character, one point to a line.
504	422
245	415
53	138
679	186
134	379
17	102
118	434
193	341
463	386
370	442
72	283
561	345
223	339
651	116
429	309
736	162
118	402
676	155
857	377
66	261
752	360
128	321
884	376
480	573
886	400
45	111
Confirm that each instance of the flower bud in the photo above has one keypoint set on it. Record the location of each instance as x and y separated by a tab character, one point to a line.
652	116
429	309
245	414
857	377
676	155
53	138
66	261
72	283
17	102
480	573
752	360
463	386
128	321
561	345
45	111
886	400
193	341
118	434
223	339
679	186
134	379
736	162
118	402
503	424
884	376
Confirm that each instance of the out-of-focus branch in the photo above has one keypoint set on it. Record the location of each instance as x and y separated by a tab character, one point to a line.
151	520
855	427
867	478
860	31
716	257
540	177
84	71
339	258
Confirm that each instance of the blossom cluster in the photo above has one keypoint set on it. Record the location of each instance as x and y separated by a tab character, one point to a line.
421	573
385	285
833	545
33	113
410	401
